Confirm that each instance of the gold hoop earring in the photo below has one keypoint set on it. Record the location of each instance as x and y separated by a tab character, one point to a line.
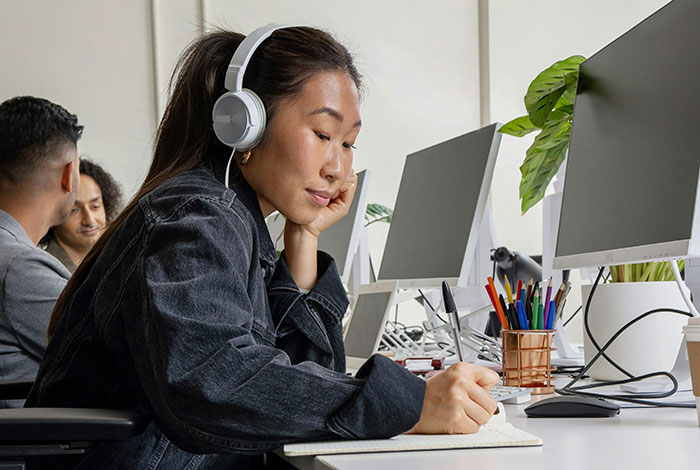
246	156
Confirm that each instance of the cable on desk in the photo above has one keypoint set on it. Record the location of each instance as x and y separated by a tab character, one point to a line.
642	398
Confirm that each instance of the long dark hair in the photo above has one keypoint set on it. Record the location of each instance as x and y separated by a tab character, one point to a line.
279	69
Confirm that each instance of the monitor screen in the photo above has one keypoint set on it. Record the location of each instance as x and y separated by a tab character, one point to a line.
366	324
631	181
439	208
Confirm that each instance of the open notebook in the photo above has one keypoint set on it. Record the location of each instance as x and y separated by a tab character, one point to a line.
496	433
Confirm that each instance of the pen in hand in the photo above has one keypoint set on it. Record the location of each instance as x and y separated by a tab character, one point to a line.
451	310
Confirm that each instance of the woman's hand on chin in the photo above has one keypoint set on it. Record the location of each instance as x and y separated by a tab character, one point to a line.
336	208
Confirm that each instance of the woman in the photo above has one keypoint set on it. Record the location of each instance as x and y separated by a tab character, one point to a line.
183	311
96	205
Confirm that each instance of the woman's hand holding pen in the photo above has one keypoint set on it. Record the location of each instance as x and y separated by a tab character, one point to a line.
457	401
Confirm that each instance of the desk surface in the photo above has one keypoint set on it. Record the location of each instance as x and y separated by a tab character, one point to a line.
639	438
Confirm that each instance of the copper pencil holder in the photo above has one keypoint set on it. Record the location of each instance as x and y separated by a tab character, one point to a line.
527	359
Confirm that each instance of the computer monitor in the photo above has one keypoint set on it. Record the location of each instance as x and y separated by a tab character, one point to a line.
631	186
439	209
367	321
341	240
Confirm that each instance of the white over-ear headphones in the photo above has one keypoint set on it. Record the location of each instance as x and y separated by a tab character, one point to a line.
239	114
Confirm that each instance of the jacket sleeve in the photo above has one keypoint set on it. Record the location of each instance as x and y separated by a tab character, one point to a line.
309	326
213	387
31	289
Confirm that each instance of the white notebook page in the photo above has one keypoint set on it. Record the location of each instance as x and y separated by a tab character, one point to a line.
497	433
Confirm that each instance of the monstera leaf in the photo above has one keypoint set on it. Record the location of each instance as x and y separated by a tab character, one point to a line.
550	105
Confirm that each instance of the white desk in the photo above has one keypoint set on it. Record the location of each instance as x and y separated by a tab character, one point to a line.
637	439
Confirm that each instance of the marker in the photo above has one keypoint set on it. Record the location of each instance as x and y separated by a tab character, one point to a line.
506	311
522	315
451	310
550	316
514	316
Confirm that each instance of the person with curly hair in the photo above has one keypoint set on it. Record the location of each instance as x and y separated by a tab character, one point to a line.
97	204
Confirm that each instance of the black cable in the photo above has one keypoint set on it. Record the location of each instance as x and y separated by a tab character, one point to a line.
639	399
572	316
425	299
568	370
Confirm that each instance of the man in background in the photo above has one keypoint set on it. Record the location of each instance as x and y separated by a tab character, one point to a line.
97	204
38	186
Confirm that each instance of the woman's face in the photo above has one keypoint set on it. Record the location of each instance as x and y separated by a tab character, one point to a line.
87	218
299	168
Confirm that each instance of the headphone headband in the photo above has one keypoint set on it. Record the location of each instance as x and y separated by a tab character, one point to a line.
244	51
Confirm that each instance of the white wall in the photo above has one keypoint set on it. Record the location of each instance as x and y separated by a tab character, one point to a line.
524	39
420	66
93	58
419	60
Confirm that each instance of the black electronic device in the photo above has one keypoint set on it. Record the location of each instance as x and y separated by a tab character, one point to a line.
518	266
572	406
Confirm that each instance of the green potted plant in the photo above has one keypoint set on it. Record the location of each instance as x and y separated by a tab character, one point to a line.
550	107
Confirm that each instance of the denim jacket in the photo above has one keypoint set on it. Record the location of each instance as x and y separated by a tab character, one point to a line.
189	316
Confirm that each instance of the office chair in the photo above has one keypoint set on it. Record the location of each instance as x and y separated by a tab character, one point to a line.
27	432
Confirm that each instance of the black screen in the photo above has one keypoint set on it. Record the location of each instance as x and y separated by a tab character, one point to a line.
634	157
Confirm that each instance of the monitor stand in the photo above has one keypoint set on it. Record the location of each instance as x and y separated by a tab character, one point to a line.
360	272
551	208
472	298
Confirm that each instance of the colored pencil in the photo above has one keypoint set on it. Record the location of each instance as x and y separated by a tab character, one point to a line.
529	290
548	297
520	288
497	307
535	309
560	291
509	292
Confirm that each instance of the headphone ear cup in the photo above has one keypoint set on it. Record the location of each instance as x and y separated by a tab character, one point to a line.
239	119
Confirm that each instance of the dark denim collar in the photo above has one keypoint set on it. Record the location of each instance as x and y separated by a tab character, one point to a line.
247	195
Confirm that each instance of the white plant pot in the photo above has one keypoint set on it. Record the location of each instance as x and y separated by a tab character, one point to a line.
649	345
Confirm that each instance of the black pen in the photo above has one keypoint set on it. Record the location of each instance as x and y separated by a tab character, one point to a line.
451	310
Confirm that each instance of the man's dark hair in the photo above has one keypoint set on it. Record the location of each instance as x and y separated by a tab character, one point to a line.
111	192
31	130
